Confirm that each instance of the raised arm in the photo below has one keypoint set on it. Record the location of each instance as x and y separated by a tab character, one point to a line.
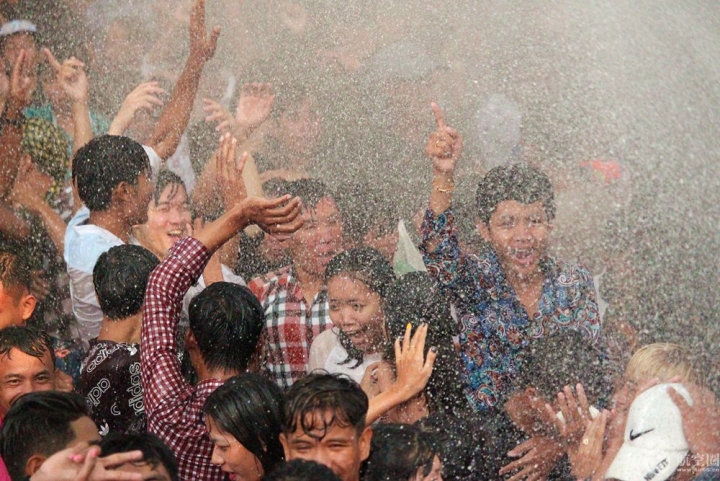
74	82
176	114
143	97
14	96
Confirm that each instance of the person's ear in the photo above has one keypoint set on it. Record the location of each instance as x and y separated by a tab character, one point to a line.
365	442
190	341
27	303
483	230
33	464
123	192
286	446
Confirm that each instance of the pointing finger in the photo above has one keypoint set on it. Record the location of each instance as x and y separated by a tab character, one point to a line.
439	118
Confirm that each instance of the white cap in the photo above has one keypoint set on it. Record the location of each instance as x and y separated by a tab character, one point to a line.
17	26
655	444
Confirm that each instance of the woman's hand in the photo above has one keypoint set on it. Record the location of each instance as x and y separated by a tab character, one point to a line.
413	367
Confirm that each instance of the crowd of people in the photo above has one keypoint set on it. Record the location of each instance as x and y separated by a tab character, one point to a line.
187	300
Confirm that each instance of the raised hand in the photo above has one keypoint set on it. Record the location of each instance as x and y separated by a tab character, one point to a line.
143	97
30	185
277	217
71	77
229	171
202	46
255	105
538	456
413	366
701	420
217	113
575	414
22	83
444	145
587	456
83	463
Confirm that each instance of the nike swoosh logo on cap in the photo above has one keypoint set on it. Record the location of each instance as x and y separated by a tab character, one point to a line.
633	437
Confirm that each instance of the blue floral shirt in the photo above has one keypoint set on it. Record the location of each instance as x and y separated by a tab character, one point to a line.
494	326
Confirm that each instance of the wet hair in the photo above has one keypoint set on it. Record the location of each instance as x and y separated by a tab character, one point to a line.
275	187
565	358
318	393
120	277
663	360
155	451
250	407
38	423
226	320
28	340
368	266
301	470
415	299
518	182
103	163
14	273
310	192
364	209
467	449
166	178
398	451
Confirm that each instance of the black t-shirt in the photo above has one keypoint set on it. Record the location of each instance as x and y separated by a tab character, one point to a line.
111	384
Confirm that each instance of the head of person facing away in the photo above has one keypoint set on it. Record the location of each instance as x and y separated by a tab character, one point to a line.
40	424
358	281
324	421
112	176
158	460
17	304
515	209
403	452
120	277
244	419
27	364
414	299
320	238
226	320
564	358
301	470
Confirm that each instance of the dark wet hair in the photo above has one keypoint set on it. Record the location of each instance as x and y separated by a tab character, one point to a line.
398	451
519	182
155	451
368	266
28	340
14	272
250	407
415	299
120	277
166	178
565	358
301	470
320	392
226	320
310	192
101	164
364	209
467	449
38	423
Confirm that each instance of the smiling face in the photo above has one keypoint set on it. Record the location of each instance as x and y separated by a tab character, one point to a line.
167	220
341	449
435	473
357	311
519	234
231	456
21	373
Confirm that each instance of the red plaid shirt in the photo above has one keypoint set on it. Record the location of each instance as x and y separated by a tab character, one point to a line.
174	407
290	324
